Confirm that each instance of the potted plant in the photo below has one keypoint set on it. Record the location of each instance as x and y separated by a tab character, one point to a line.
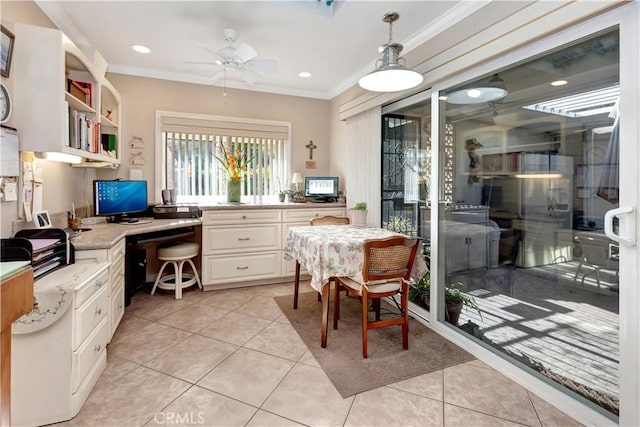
454	298
235	163
358	214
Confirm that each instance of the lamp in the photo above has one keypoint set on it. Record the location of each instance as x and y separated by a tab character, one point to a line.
390	75
296	179
493	90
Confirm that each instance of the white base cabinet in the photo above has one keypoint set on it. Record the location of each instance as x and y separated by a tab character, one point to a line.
115	256
54	368
246	245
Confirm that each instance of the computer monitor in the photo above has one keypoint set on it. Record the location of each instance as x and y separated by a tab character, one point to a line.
321	188
118	199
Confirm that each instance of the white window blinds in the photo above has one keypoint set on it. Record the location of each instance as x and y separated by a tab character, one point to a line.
191	143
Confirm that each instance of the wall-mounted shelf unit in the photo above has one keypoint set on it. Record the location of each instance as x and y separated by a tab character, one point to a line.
64	104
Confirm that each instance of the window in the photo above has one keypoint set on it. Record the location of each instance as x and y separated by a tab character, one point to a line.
191	144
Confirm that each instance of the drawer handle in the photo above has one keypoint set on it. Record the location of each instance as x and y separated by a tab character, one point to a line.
243	239
120	305
316	214
97	348
98	311
244	217
246	267
99	284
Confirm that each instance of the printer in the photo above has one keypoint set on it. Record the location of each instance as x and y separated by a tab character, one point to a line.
167	211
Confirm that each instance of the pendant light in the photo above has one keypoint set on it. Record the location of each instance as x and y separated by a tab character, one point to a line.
492	90
390	75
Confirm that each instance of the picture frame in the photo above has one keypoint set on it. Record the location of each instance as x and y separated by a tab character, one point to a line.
6	50
42	219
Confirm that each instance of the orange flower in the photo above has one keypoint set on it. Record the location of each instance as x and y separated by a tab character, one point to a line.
235	163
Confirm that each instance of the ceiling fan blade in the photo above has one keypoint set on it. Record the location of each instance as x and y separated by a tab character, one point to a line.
245	53
263	65
201	62
249	76
217	76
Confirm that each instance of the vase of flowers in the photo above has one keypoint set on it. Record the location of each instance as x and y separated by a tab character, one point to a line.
234	163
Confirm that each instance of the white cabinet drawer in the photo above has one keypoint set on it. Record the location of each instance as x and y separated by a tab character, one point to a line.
117	251
88	353
117	309
90	288
240	239
89	315
307	214
252	216
226	269
116	273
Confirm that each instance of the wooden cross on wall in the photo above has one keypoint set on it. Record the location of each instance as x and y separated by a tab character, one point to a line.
311	146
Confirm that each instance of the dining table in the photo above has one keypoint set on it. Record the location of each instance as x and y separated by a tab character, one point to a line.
328	251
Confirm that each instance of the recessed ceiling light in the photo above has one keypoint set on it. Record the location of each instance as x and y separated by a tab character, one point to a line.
304	74
140	49
559	83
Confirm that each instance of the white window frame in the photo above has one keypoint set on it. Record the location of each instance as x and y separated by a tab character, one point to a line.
238	126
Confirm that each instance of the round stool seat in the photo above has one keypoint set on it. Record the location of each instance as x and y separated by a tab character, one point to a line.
178	251
177	255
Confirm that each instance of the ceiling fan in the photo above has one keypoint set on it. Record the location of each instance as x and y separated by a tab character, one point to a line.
238	60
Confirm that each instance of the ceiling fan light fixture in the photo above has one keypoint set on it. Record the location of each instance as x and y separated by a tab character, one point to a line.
390	75
493	90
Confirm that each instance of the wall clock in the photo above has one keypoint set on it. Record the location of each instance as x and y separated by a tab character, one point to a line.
5	103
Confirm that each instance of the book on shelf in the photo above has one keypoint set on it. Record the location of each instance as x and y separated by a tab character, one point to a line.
81	90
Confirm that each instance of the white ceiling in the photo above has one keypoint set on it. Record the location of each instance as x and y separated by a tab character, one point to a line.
338	44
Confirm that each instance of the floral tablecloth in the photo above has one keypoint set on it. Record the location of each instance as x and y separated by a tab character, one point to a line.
336	251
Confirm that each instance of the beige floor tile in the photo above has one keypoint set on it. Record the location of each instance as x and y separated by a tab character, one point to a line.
154	307
235	328
129	324
428	385
201	407
116	368
385	406
283	319
193	317
247	375
550	415
278	290
455	416
306	395
308	359
266	419
260	306
131	400
147	343
488	391
192	358
230	299
279	340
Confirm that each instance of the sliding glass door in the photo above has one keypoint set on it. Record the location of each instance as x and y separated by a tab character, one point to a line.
528	222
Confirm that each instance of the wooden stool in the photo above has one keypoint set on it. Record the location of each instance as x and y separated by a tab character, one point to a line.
177	254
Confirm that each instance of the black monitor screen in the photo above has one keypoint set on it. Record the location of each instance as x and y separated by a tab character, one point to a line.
321	186
117	198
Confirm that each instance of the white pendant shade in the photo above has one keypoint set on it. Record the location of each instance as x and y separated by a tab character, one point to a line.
390	74
390	80
492	90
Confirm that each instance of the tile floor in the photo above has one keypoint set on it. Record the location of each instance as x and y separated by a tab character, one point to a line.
230	358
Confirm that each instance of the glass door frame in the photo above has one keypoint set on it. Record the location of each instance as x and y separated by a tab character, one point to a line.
625	18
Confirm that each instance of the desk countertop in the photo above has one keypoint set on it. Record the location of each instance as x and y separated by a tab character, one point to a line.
105	236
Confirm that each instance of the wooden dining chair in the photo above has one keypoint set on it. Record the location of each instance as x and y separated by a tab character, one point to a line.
386	272
323	220
330	220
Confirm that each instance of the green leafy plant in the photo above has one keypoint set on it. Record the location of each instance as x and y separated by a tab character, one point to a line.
360	206
421	290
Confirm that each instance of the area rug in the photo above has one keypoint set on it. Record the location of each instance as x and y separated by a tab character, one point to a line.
387	362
